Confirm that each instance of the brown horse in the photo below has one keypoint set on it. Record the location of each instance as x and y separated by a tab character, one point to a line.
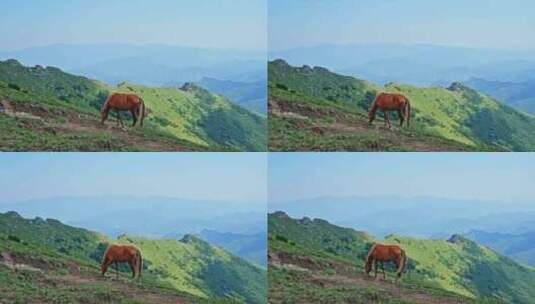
122	254
391	102
124	102
386	253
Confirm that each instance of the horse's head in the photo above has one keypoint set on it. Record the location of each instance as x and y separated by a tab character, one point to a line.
103	268
368	265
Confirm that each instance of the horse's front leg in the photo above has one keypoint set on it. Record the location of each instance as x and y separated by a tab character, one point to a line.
116	270
387	119
133	269
383	269
119	119
375	269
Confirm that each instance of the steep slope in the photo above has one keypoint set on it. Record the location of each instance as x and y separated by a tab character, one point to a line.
457	270
250	95
519	95
315	109
190	269
61	111
249	247
520	247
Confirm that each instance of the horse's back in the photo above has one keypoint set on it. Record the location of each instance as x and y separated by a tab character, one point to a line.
386	252
121	252
123	101
391	101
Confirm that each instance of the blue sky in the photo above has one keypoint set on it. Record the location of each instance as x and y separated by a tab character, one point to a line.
505	177
475	23
233	177
223	24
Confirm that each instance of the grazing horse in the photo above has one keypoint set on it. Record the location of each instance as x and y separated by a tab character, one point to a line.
386	253
124	102
391	102
122	254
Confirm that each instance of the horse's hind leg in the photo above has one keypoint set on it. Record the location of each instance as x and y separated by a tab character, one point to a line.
133	269
401	118
134	117
116	270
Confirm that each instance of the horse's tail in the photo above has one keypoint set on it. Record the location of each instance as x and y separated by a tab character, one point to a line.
408	112
141	111
402	263
139	263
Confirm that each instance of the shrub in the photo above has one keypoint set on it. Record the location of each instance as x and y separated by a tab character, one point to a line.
281	86
14	238
14	86
281	238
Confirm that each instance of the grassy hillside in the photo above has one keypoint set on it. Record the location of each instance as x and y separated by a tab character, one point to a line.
47	109
315	109
456	270
185	271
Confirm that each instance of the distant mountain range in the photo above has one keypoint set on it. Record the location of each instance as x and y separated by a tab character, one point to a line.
252	96
417	64
519	95
175	271
314	259
152	217
147	64
252	248
520	247
384	215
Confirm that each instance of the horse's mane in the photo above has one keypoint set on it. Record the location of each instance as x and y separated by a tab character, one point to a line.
371	252
105	254
105	104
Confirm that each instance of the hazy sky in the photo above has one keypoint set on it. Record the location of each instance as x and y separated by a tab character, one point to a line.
474	23
213	176
484	176
224	24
